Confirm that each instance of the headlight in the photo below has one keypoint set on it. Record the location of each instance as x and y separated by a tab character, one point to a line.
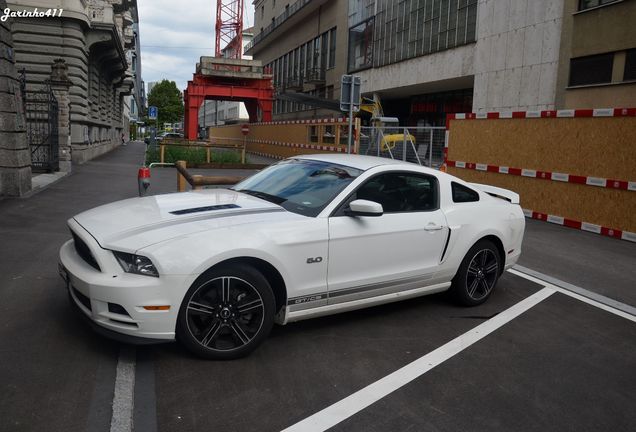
137	264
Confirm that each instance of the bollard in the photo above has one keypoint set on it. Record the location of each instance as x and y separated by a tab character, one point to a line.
143	180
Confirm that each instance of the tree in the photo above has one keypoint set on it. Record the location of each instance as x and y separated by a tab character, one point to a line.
168	99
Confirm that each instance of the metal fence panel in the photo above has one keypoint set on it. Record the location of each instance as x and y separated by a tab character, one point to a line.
41	114
420	145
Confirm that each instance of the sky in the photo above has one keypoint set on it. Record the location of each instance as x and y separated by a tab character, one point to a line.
174	35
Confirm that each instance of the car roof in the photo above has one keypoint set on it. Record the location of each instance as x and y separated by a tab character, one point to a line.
355	161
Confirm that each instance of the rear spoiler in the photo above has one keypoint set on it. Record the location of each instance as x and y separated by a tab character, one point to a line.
506	194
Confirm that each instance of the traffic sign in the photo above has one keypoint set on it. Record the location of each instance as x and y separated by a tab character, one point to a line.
349	93
245	129
153	112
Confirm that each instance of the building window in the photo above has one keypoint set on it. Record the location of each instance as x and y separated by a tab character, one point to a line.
596	69
308	58
361	45
317	59
324	44
630	65
402	29
587	4
301	63
332	48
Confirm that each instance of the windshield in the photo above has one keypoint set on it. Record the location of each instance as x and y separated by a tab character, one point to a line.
300	186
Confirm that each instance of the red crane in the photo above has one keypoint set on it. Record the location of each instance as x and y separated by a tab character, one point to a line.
229	28
211	81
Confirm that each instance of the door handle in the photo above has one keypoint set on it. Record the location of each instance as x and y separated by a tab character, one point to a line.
433	227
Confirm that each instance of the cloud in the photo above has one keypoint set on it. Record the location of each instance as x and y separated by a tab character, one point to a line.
174	35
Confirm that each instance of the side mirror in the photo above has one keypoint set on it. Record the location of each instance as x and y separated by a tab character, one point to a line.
362	207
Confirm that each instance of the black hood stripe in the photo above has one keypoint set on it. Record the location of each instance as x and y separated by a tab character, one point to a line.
204	209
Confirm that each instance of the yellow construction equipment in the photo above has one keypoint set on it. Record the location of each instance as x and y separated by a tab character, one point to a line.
374	107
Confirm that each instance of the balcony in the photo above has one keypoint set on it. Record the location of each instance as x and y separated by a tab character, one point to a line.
295	83
293	14
316	76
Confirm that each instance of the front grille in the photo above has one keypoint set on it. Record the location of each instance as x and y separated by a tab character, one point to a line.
83	299
84	252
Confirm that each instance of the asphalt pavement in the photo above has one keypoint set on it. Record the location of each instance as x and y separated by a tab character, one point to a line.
562	365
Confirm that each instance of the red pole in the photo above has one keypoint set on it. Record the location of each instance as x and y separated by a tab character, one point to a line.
143	180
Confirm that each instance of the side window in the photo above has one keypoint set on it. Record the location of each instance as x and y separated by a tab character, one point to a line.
401	192
463	194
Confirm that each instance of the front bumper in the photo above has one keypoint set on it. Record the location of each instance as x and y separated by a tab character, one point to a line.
100	295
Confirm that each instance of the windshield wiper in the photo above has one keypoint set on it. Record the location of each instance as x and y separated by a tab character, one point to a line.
263	195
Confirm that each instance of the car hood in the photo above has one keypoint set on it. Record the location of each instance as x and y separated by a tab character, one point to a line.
139	222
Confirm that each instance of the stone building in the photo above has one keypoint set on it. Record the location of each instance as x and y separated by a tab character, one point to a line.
92	37
15	158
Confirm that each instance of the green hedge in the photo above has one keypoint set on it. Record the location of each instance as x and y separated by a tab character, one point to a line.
191	155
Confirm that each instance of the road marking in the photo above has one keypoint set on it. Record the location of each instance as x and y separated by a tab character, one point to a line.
372	393
600	301
124	391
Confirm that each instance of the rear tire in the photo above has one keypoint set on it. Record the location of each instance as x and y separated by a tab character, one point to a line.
226	313
477	275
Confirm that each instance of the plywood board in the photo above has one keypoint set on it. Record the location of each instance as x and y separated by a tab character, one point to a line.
611	208
598	147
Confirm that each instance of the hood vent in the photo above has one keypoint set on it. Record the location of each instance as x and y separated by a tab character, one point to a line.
204	209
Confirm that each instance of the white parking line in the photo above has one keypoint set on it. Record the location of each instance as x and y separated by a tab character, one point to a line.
581	294
123	398
361	399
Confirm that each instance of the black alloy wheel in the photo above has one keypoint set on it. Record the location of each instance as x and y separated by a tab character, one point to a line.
227	313
477	275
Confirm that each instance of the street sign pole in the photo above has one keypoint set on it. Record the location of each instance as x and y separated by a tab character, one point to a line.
350	101
349	137
153	114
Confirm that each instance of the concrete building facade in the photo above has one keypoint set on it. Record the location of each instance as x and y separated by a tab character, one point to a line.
597	61
92	36
427	58
305	44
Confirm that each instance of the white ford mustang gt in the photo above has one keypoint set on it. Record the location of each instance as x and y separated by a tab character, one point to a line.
309	236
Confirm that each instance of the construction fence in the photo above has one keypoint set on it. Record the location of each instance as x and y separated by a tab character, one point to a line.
570	167
421	145
285	139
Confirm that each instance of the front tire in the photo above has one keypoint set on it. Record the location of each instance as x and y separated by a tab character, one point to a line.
477	274
226	313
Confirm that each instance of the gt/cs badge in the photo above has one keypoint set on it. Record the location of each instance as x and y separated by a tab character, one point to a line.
314	260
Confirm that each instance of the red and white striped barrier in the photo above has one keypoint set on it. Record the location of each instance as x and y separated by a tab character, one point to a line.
334	149
306	121
267	155
546	175
583	226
